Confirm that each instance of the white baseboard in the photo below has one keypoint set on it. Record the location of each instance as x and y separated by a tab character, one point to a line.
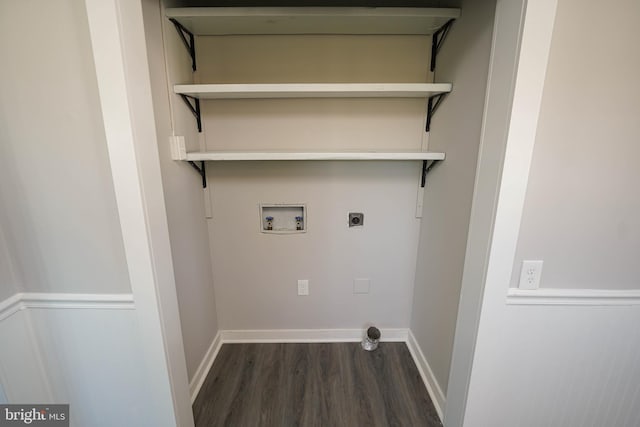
24	300
308	335
433	387
205	366
584	297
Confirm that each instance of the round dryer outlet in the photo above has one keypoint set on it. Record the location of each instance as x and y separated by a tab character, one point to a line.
356	219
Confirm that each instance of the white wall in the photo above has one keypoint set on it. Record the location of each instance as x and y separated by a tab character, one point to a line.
455	129
10	283
51	355
183	195
582	191
61	230
22	371
256	274
105	380
59	212
563	365
560	366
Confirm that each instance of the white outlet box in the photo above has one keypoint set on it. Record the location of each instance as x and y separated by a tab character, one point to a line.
361	286
303	287
530	274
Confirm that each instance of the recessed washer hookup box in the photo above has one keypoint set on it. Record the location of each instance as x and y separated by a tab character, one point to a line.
283	218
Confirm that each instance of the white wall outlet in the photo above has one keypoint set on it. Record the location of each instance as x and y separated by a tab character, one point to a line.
178	148
530	274
361	286
303	287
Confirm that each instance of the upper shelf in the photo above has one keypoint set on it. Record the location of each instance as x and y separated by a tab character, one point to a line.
313	90
211	21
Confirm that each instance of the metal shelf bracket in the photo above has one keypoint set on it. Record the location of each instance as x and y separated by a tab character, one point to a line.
201	171
189	44
194	108
436	41
426	168
432	106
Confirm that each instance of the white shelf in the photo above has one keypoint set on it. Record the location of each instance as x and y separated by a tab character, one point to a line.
210	21
313	90
270	155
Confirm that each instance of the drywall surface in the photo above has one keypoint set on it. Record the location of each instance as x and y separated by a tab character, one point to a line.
563	365
59	212
464	60
308	124
583	186
10	283
255	274
184	200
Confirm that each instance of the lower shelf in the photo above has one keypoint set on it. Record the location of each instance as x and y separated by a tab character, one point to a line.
312	90
251	156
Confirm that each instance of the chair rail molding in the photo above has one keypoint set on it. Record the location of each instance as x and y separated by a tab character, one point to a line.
24	300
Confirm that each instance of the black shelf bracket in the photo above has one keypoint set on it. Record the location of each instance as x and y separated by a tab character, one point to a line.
201	171
432	106
194	108
436	41
189	44
426	168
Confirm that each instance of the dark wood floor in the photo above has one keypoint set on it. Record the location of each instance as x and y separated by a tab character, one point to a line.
336	384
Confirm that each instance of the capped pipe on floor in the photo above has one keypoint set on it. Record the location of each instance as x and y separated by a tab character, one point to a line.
371	339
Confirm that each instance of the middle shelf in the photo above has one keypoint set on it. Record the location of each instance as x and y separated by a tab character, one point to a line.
312	90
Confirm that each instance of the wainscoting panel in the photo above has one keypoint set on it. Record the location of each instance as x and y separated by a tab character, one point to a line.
81	349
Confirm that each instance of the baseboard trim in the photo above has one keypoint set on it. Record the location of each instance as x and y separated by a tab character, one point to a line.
205	366
583	297
24	300
433	387
308	335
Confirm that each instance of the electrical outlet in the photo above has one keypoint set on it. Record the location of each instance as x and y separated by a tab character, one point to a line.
303	287
530	275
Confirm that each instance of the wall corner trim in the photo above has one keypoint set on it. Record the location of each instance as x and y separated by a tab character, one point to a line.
582	297
24	300
428	378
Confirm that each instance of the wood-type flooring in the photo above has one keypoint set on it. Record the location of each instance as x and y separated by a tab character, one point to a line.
317	384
